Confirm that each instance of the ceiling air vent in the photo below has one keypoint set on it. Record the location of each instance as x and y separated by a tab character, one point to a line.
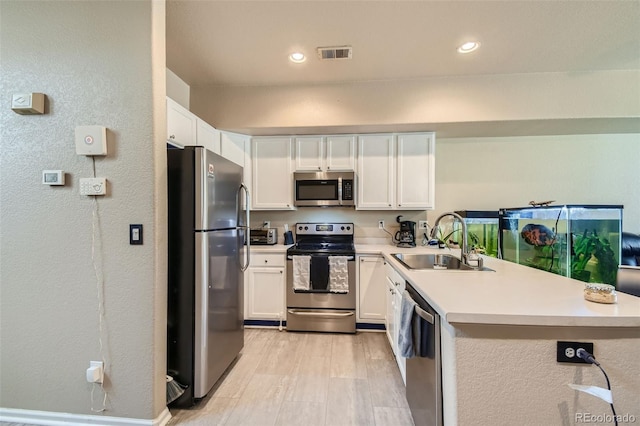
335	52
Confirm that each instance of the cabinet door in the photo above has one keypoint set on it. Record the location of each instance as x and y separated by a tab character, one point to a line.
415	171
372	302
390	318
272	179
265	294
207	136
341	153
309	154
181	124
375	172
233	147
400	360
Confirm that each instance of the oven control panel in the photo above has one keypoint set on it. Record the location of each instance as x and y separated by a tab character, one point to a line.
324	229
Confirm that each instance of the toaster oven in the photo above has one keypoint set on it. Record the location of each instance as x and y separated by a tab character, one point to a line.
263	236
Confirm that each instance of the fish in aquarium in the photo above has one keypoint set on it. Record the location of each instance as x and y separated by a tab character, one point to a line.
538	235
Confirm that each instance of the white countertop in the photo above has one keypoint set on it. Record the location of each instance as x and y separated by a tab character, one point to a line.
513	294
275	248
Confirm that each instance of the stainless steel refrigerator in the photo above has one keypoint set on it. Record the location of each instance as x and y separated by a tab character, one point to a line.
207	257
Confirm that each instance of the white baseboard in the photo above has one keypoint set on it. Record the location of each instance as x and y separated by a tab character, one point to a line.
51	418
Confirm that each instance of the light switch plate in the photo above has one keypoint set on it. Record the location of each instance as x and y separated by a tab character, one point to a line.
93	186
91	140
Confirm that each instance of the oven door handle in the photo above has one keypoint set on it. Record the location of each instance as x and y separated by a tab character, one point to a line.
290	257
320	314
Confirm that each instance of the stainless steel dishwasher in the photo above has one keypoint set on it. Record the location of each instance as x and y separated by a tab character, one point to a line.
424	374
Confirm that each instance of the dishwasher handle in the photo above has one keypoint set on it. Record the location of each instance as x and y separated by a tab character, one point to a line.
424	314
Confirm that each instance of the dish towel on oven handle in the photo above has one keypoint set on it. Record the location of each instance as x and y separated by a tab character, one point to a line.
338	274
301	273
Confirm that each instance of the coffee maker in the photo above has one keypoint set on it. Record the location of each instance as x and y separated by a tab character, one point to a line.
406	236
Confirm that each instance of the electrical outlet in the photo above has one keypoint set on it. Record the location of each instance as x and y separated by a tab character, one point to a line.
266	224
422	224
381	224
567	351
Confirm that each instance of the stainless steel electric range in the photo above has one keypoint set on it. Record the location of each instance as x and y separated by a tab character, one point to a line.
321	276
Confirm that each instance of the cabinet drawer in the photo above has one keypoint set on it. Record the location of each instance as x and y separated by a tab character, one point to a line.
394	276
267	259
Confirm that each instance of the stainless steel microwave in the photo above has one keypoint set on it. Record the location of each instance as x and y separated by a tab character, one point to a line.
324	189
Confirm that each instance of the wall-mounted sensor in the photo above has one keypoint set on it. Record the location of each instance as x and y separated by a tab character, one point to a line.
91	140
53	177
28	103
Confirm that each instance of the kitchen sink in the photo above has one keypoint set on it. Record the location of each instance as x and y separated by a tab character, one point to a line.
445	262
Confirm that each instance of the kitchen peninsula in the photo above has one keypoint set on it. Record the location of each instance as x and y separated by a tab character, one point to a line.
498	340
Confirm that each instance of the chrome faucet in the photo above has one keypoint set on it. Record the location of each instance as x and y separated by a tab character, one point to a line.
464	257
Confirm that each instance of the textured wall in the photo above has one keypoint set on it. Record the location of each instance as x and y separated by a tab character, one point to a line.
99	63
509	375
429	104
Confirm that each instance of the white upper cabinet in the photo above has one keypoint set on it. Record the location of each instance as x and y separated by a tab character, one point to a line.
415	164
396	172
309	153
207	136
272	178
341	153
234	146
181	124
325	153
376	172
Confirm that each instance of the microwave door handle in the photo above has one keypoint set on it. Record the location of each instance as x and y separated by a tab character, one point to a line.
340	190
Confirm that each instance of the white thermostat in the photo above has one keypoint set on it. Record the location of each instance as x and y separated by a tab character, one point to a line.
53	177
91	140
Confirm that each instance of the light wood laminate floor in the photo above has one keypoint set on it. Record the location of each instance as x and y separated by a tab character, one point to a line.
284	378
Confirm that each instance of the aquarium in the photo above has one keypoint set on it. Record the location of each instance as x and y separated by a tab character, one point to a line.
577	241
482	230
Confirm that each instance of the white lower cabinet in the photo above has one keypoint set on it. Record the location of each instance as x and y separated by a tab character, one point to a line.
371	289
265	287
395	289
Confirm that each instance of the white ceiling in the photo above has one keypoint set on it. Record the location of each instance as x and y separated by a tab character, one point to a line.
248	42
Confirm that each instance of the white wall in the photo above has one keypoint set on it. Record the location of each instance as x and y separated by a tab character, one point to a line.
458	105
99	63
490	173
177	89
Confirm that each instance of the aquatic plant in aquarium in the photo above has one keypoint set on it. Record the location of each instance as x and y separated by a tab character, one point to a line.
482	230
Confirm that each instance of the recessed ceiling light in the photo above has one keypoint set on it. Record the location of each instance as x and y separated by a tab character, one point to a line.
297	57
468	47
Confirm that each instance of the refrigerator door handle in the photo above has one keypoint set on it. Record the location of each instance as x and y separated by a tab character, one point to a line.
247	200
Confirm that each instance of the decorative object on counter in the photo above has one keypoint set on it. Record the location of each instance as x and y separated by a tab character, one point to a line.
600	293
577	241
